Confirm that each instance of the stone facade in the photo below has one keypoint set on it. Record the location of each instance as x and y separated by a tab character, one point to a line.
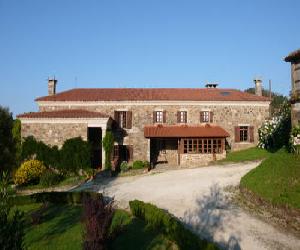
54	133
192	160
225	114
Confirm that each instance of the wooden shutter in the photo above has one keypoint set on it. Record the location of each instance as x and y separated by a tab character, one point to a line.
237	134
201	116
185	117
154	117
211	117
251	133
129	119
164	116
178	116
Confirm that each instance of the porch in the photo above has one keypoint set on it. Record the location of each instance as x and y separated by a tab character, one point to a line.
186	145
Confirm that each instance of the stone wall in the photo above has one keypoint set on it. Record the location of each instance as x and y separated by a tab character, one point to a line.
226	115
194	160
54	133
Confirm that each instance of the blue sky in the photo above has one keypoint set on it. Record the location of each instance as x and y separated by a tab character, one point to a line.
154	43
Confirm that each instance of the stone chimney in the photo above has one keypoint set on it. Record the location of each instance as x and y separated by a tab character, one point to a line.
258	86
52	86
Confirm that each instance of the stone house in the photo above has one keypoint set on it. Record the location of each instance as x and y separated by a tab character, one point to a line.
179	126
294	59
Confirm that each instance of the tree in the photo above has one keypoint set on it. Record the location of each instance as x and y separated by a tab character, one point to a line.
7	144
16	132
277	99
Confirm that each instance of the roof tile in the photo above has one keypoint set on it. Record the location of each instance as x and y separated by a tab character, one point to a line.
153	94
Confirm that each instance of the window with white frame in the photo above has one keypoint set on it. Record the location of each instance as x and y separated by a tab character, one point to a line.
159	116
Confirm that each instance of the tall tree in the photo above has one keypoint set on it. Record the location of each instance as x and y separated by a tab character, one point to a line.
7	144
277	99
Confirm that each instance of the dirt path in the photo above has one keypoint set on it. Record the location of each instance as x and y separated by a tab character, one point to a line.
197	197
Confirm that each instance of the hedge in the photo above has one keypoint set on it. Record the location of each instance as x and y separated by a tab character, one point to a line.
71	198
158	218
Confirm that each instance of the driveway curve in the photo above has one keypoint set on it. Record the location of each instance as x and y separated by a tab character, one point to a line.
197	197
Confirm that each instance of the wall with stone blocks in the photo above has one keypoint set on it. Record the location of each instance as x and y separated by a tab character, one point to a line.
200	159
54	133
226	115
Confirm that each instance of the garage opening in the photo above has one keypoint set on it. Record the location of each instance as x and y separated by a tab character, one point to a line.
95	140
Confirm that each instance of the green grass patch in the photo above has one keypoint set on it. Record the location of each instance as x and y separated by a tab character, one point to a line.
250	154
276	179
60	227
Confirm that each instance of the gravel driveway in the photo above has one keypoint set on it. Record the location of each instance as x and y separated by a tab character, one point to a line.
197	197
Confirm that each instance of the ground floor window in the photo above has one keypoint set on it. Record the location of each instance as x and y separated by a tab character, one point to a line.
202	146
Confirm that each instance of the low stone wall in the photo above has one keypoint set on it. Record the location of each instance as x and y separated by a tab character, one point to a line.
193	160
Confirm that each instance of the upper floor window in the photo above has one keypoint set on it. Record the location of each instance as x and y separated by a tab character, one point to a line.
182	116
124	119
159	116
206	116
244	134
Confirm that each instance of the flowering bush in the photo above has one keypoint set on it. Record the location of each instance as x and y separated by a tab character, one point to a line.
274	133
29	171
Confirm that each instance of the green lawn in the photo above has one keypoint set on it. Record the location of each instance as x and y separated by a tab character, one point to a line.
276	179
250	154
61	228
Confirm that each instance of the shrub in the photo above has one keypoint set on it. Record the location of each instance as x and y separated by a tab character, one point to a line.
159	219
274	133
124	166
97	217
29	172
11	224
108	144
75	155
50	178
31	148
138	165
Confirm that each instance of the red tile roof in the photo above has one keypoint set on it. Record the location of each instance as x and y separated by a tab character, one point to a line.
153	94
66	113
293	56
182	131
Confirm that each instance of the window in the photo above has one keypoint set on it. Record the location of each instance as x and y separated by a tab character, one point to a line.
244	134
182	116
202	146
124	119
206	116
159	116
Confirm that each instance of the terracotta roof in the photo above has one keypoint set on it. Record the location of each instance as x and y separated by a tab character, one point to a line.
153	94
180	131
293	56
66	113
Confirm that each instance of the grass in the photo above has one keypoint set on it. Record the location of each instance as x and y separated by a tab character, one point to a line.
276	179
61	229
250	154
